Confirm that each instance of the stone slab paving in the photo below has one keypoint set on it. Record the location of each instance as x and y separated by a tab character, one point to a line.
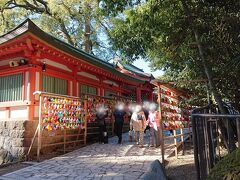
97	161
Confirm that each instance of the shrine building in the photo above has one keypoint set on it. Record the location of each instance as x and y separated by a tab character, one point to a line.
32	60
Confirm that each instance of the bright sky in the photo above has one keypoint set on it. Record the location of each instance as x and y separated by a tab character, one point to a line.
145	66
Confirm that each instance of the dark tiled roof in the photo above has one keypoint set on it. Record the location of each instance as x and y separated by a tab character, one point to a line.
136	70
29	26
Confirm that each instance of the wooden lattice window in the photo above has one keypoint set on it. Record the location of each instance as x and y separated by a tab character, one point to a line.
109	93
11	88
54	85
85	89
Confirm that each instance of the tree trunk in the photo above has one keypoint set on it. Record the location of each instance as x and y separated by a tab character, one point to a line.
208	73
228	137
87	41
237	95
65	32
226	129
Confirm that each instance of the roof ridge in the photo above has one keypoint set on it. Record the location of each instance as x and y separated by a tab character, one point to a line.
29	26
32	24
135	67
16	27
88	54
67	44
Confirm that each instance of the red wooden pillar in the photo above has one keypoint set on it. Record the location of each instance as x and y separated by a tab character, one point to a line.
74	82
150	98
32	82
101	87
120	89
139	95
75	87
40	79
32	57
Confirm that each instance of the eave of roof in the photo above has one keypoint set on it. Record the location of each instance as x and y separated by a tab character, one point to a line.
168	85
136	70
29	26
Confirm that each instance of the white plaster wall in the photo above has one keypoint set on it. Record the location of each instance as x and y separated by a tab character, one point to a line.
18	113
36	111
4	114
6	62
111	82
85	74
55	64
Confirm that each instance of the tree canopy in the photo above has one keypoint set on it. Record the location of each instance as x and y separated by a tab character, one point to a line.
192	40
160	32
80	23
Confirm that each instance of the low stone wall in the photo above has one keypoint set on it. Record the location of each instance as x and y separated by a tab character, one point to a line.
16	138
13	136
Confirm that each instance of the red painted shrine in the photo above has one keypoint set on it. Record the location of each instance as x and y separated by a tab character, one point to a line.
34	61
26	50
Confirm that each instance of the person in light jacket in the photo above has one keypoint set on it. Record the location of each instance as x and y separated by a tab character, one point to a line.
154	124
139	124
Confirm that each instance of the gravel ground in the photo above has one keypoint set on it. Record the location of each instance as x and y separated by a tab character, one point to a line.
182	168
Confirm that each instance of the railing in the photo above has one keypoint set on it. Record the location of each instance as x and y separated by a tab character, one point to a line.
177	139
69	118
59	112
209	146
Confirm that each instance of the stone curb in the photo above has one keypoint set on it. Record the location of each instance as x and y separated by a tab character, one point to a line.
155	171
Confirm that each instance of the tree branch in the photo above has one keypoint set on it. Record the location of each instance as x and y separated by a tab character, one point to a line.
42	8
65	32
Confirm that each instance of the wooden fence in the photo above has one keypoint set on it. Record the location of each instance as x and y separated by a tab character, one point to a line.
67	121
206	138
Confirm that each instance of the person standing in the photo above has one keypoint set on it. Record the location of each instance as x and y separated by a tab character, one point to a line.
154	125
101	115
131	109
119	115
139	124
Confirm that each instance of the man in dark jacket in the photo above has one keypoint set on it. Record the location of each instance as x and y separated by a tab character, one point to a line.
119	115
100	118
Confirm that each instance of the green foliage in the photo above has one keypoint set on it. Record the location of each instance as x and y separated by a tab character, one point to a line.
114	7
63	19
228	168
160	32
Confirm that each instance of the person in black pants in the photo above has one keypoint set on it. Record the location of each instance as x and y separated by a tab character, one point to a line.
146	113
100	118
146	105
119	115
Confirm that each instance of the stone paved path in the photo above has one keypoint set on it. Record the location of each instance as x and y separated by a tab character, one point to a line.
96	161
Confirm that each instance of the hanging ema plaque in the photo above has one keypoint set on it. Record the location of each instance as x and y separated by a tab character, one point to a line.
62	113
